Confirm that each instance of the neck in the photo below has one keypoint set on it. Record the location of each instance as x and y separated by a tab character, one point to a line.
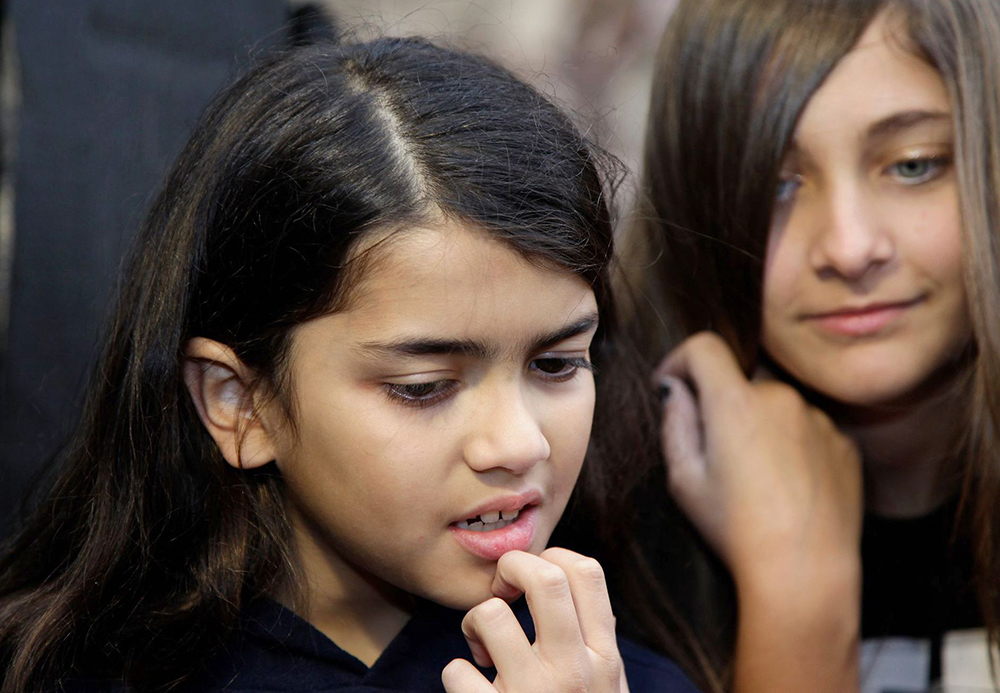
909	448
358	611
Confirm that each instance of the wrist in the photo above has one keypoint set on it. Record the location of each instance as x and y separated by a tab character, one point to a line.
799	629
803	590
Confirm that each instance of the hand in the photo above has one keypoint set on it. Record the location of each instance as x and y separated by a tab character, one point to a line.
776	490
767	478
575	647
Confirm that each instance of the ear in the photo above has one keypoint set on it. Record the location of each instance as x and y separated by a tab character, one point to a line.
219	384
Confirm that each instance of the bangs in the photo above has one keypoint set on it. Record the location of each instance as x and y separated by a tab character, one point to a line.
732	81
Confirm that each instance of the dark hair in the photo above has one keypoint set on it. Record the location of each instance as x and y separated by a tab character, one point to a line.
136	563
733	77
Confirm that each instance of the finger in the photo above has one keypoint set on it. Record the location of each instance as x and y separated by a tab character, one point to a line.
683	444
589	590
547	590
708	363
461	677
496	638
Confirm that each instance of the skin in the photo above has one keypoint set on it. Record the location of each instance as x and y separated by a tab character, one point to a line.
867	217
413	407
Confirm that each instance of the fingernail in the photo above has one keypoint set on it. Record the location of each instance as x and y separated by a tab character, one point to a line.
663	391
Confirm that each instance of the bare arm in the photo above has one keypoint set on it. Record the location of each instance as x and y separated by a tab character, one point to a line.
776	490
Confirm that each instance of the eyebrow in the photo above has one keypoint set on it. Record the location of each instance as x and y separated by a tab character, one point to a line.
408	347
903	121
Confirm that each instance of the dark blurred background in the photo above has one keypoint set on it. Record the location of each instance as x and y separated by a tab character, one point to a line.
98	96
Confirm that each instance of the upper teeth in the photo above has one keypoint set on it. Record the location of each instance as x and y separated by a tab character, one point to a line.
489	521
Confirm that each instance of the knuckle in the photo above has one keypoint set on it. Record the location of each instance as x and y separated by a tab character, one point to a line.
739	400
782	397
575	679
453	673
554	553
706	340
705	345
589	570
550	579
489	613
608	667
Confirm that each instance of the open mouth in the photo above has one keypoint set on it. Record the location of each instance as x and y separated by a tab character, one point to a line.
488	522
492	533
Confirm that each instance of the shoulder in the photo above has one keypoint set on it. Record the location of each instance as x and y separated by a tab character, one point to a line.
648	672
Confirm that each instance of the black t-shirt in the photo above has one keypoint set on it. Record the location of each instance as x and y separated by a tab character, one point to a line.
276	650
917	587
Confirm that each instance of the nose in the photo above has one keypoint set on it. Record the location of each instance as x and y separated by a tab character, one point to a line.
852	240
505	433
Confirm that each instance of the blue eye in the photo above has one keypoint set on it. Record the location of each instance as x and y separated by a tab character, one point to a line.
420	394
918	169
787	187
558	369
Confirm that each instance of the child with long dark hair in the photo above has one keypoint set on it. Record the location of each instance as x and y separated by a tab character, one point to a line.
822	198
345	396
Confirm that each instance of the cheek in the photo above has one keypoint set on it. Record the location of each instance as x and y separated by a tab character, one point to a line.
930	233
783	265
781	272
352	456
568	432
942	248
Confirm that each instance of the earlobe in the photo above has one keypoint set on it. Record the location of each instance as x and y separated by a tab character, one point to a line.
219	385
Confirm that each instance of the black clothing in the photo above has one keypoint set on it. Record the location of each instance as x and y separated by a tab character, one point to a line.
277	650
917	583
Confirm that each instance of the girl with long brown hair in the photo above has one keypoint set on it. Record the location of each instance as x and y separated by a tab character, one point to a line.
345	396
822	197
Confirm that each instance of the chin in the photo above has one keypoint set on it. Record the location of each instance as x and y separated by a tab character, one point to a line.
872	388
891	371
461	590
466	600
462	599
868	395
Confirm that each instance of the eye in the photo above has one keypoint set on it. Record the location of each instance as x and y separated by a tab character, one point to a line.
420	394
918	169
557	368
787	187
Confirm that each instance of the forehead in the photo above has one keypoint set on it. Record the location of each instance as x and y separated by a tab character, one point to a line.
451	280
879	77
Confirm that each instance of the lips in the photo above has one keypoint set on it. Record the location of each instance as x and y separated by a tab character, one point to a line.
498	526
862	321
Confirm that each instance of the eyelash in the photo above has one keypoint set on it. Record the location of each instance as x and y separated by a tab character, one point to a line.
422	395
936	164
411	395
783	195
572	363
